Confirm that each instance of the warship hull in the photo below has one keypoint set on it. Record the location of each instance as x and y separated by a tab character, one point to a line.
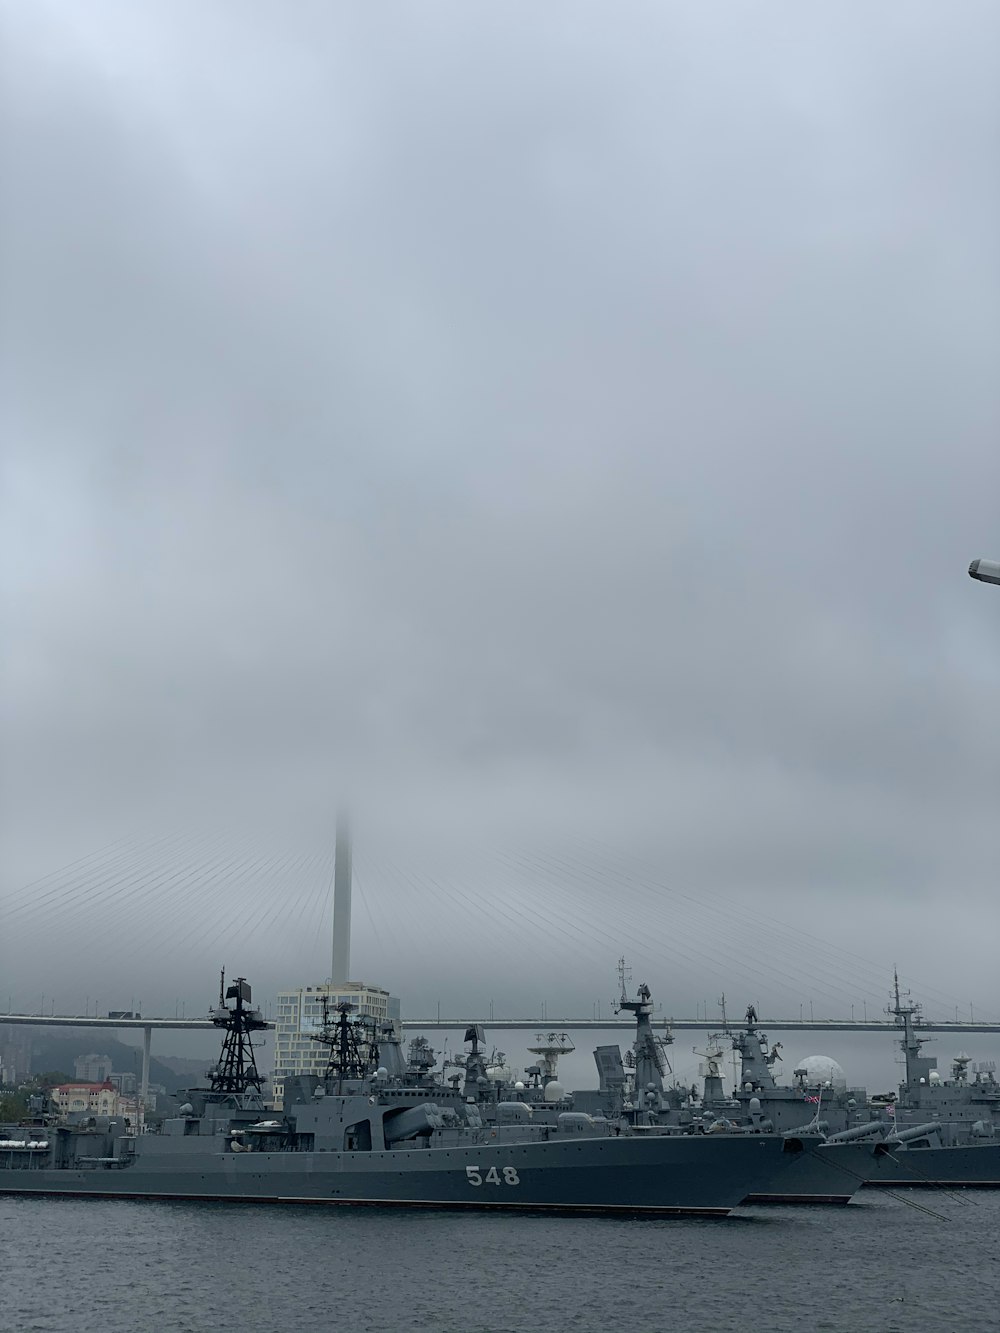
665	1176
975	1166
830	1173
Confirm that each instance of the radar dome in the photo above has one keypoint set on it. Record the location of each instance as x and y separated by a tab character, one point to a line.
822	1070
519	1086
554	1092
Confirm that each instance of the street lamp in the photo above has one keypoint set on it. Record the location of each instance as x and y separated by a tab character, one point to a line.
986	571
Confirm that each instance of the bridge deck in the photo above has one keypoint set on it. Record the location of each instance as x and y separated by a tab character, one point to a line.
527	1024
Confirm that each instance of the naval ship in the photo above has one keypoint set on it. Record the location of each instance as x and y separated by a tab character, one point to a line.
831	1173
937	1131
932	1132
375	1131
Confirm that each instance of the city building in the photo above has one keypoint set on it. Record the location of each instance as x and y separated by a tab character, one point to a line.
94	1098
93	1068
299	1016
153	1094
15	1055
132	1110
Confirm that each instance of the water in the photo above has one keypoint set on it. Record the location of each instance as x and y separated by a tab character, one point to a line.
107	1266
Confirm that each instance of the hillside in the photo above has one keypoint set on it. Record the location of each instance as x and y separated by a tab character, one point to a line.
59	1053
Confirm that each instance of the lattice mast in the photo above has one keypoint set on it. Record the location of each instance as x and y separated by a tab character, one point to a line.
236	1072
353	1052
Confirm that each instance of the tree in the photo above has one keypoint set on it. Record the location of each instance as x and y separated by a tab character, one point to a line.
51	1079
13	1106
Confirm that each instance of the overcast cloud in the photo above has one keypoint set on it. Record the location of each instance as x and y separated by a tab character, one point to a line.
561	427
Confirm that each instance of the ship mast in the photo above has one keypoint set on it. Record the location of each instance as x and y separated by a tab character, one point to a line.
918	1067
236	1073
351	1054
648	1057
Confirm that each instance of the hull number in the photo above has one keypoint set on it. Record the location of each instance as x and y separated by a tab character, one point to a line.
506	1176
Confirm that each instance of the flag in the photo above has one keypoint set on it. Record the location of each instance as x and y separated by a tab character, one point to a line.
815	1100
890	1109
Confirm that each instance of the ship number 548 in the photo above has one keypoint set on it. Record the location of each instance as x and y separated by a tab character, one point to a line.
505	1176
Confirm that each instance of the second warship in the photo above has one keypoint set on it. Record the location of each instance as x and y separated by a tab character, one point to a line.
831	1173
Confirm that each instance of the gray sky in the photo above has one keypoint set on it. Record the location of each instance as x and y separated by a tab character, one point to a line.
562	428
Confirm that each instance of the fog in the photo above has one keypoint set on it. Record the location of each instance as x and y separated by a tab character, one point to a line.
560	434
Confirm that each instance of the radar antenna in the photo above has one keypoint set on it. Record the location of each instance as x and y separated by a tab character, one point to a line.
712	1057
549	1046
710	1068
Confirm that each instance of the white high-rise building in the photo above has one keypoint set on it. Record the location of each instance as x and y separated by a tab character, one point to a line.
299	1017
93	1068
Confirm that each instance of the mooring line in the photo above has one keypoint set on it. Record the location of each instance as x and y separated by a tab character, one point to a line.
921	1208
904	1165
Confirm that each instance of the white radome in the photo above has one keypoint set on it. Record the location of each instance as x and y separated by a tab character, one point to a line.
824	1071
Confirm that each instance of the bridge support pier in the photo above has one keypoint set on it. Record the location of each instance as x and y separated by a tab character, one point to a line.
147	1041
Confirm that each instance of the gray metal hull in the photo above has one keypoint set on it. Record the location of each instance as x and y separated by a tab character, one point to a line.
830	1173
975	1165
682	1175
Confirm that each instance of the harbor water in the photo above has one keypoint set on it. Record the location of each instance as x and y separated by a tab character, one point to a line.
921	1259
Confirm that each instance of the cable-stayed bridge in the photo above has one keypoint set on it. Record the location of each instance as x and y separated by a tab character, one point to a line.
176	884
140	911
151	1025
